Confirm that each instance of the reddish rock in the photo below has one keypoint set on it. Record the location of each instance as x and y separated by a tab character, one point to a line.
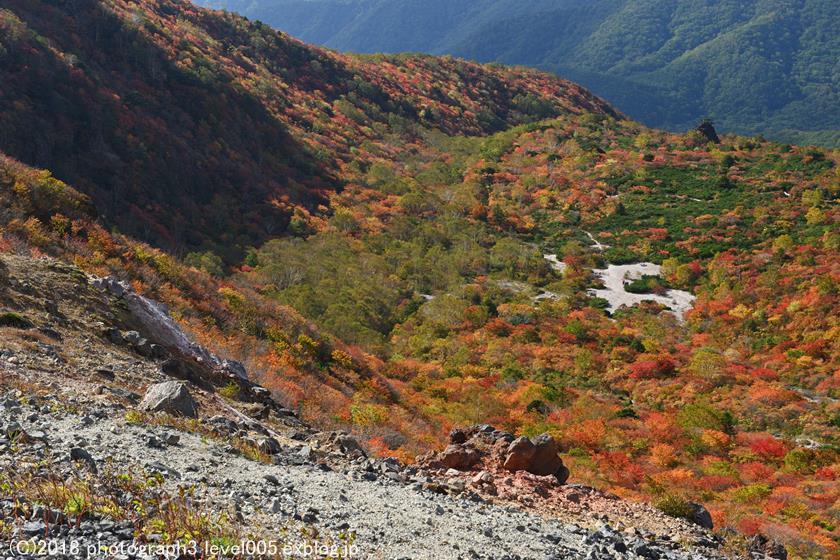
540	457
492	448
546	459
458	457
520	453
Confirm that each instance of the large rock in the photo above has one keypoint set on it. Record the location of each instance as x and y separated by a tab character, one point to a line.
540	456
268	445
701	516
519	454
546	459
761	544
707	129
459	457
171	397
491	448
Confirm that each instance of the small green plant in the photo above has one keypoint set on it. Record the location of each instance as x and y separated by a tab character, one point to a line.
15	321
646	285
675	506
133	417
751	493
230	391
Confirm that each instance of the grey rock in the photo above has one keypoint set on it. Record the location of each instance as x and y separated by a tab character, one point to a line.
171	397
166	471
701	516
235	368
269	445
33	528
132	337
81	454
276	506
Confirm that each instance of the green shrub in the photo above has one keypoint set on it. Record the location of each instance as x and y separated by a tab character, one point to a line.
675	506
230	391
15	321
751	493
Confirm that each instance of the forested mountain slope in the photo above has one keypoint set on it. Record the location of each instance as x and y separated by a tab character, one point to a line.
406	289
754	67
191	128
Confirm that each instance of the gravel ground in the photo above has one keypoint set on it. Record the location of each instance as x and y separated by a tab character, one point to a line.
383	503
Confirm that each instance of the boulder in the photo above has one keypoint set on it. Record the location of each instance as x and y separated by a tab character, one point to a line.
349	445
519	454
761	544
490	447
234	368
701	516
540	456
546	459
171	397
268	445
114	335
562	474
133	337
80	454
707	129
457	436
261	394
459	457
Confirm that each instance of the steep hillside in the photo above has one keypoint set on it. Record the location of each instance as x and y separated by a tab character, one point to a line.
755	67
211	468
452	261
193	129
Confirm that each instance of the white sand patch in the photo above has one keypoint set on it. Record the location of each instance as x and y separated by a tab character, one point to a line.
555	263
615	276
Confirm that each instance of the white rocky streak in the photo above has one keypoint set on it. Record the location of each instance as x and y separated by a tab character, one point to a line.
159	326
595	243
614	277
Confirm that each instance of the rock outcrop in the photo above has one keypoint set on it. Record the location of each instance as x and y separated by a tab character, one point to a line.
159	337
707	129
761	545
484	446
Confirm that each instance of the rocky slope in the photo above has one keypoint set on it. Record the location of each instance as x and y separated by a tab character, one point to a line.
86	460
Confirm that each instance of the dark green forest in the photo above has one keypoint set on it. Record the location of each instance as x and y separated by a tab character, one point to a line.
767	68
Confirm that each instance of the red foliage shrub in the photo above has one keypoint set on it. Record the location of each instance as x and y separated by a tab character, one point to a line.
755	471
652	369
826	473
768	447
750	525
716	483
764	373
498	327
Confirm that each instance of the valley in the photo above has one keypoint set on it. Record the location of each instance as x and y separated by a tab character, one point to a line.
399	246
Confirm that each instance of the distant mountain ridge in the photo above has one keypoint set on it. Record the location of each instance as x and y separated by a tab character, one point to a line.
755	67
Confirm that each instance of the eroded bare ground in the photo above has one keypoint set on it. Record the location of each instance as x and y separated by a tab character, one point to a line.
81	463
